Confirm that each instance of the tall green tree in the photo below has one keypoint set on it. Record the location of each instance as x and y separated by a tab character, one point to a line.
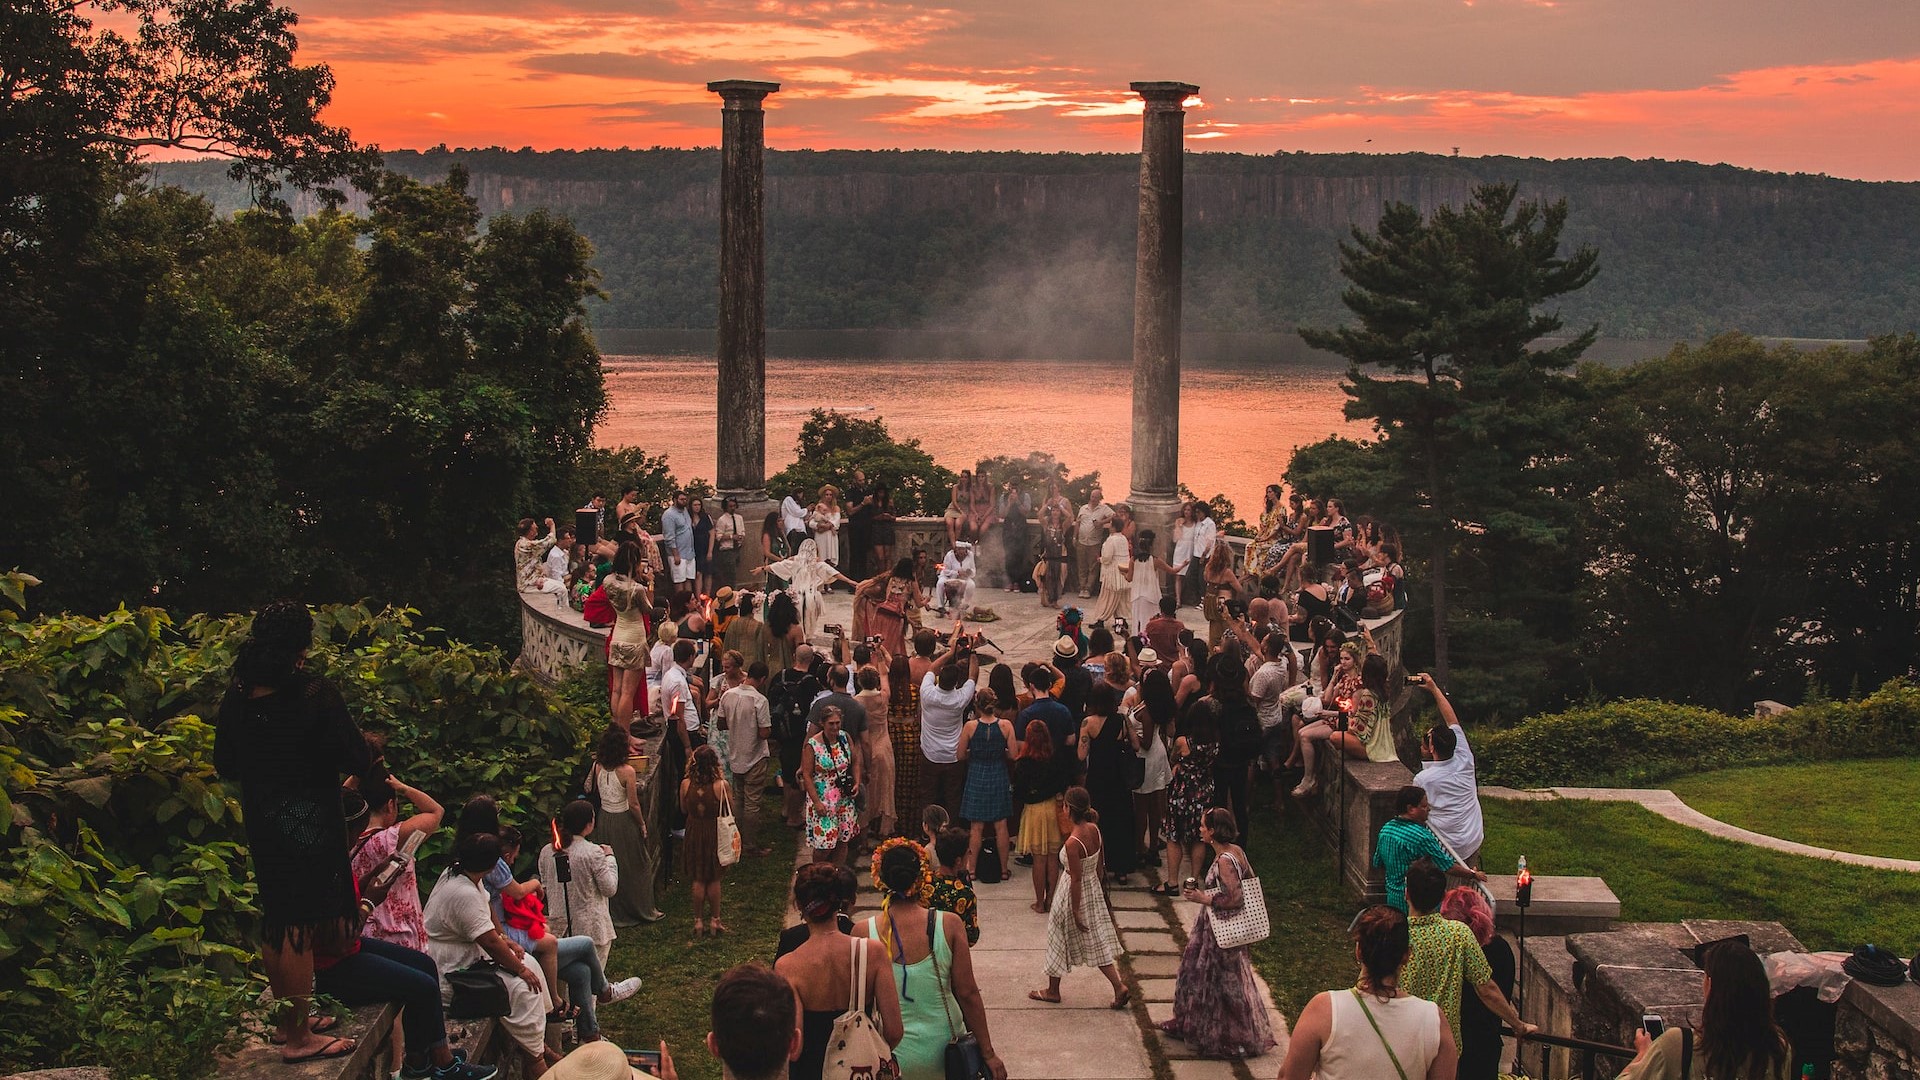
1473	419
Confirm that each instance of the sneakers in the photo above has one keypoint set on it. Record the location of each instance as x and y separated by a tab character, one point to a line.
458	1069
623	989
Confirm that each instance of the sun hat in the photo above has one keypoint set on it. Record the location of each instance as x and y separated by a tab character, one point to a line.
1066	647
1148	657
725	594
600	1060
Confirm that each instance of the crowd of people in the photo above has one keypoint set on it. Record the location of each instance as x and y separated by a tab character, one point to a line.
1130	753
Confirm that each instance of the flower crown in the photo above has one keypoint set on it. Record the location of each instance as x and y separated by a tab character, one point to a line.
922	888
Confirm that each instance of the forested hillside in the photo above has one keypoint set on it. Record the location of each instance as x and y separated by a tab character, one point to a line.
1041	245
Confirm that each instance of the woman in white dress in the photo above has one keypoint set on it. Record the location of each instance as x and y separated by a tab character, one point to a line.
460	933
1144	586
1116	577
824	521
1080	930
1182	550
807	576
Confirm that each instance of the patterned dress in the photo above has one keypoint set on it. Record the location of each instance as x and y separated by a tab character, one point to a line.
903	727
955	894
1190	794
1218	1009
832	775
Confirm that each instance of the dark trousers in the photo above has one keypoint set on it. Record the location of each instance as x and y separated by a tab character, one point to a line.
942	785
381	972
1230	791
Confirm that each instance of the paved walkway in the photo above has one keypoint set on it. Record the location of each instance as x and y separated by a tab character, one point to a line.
1670	806
1081	1038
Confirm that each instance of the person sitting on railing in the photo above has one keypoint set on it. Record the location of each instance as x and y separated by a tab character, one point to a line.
530	555
1406	838
1446	957
1737	1039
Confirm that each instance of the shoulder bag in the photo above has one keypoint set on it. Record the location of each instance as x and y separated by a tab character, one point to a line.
727	829
592	792
964	1059
479	991
855	1049
1391	1056
1247	925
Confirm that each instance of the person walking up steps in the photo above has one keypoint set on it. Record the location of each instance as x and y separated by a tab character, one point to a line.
1080	931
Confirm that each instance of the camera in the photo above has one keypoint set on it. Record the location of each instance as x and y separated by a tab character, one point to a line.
835	629
872	641
1237	608
1414	680
1653	1025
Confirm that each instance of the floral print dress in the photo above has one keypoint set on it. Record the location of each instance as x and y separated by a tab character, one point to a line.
839	822
1189	794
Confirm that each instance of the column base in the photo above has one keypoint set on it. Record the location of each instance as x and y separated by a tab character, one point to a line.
1156	512
755	505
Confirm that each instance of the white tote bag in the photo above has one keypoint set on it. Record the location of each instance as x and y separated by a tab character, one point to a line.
728	831
1249	924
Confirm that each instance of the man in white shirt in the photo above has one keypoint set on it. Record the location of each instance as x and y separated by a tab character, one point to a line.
676	696
945	693
793	520
554	568
1447	775
1204	535
954	591
1266	686
676	532
744	713
1089	532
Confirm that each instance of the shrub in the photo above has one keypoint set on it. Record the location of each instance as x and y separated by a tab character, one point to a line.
1636	742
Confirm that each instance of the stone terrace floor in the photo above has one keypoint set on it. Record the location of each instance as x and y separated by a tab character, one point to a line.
1025	630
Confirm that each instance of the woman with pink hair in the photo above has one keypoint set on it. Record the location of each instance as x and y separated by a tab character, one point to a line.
1479	1028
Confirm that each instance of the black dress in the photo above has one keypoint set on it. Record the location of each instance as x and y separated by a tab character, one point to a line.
1479	1027
1110	789
287	751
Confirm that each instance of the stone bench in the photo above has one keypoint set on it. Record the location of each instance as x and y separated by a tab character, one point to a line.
371	1028
1876	1032
1361	793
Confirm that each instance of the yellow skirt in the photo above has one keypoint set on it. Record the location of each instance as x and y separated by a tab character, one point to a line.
1040	829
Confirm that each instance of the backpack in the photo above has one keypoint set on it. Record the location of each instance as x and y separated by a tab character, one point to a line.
788	704
855	1049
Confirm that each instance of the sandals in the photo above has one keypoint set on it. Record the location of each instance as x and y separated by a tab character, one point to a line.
332	1048
1165	888
1121	1001
319	1024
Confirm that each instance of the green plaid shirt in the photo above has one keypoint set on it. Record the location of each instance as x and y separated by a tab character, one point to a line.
1399	844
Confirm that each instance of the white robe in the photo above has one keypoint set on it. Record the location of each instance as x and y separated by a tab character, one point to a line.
959	571
807	575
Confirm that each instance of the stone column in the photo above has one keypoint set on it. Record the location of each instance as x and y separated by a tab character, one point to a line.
741	424
1156	311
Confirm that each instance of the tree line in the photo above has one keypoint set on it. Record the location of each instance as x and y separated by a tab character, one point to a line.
1723	523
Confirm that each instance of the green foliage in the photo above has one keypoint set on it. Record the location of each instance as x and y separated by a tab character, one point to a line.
123	846
271	409
1034	473
1636	742
1475	423
1225	514
1747	525
833	444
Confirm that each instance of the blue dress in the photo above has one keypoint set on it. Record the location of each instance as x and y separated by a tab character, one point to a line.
989	794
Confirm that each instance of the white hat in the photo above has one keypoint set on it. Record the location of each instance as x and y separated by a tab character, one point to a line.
600	1060
1311	708
1148	657
1066	646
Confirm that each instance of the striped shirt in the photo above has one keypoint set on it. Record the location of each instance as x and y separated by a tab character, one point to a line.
1399	844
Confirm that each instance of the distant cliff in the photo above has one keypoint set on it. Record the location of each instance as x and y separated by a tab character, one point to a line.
1040	246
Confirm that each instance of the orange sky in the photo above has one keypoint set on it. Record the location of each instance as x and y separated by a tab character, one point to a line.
1831	87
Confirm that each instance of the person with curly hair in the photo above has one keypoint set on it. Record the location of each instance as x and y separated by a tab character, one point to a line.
932	965
286	739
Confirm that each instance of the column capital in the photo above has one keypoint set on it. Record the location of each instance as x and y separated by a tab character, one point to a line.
743	93
1165	96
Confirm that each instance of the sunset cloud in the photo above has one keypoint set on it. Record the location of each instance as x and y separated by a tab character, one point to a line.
1765	83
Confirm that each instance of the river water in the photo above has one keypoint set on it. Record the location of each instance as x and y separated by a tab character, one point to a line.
1238	424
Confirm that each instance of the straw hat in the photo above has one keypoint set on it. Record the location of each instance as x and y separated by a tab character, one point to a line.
600	1060
1148	657
1066	648
725	594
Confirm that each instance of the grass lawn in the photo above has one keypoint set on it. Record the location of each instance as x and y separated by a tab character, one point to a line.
1663	872
1309	950
681	970
1858	806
